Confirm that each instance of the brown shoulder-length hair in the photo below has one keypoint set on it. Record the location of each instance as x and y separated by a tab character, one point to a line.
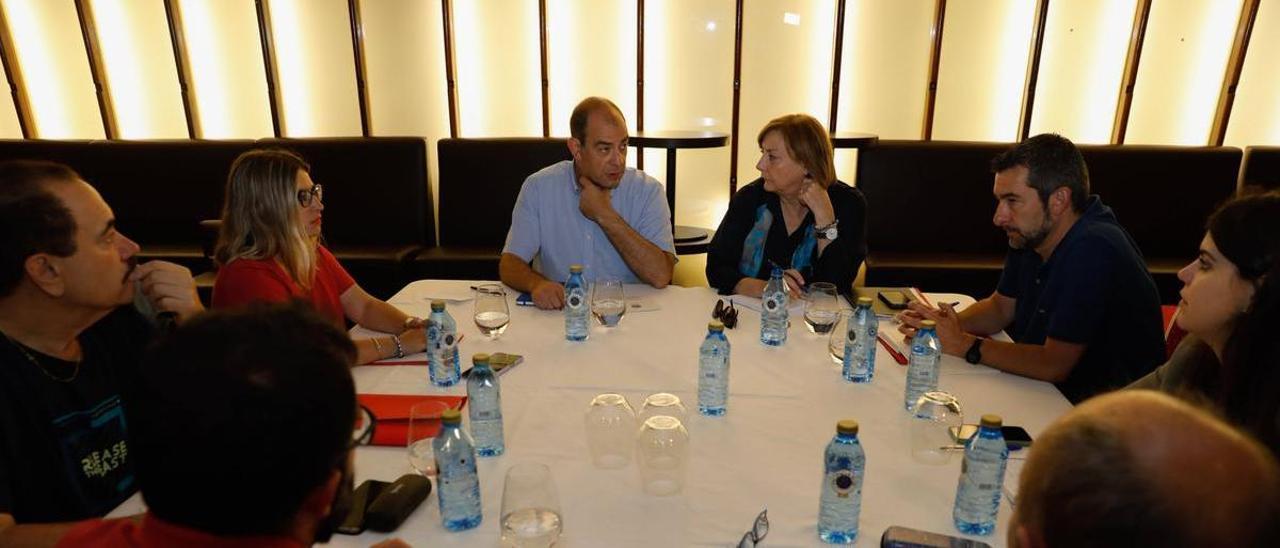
260	214
807	142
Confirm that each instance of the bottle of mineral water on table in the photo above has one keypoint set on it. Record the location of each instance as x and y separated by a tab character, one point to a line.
773	310
457	484
843	466
860	343
577	311
442	347
922	366
981	479
484	404
713	371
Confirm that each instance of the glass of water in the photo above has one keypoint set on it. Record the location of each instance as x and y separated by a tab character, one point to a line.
932	419
663	404
611	430
821	307
839	332
530	507
424	426
490	310
608	302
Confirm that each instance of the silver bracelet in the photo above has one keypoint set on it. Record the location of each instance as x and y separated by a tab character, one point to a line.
399	347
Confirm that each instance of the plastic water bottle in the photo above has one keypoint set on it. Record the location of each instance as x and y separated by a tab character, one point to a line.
442	347
844	464
860	343
457	485
981	479
922	367
773	316
484	404
577	311
713	371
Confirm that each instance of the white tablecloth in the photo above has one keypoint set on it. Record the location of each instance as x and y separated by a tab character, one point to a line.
765	453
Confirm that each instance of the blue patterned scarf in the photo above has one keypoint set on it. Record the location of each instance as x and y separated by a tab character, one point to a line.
753	247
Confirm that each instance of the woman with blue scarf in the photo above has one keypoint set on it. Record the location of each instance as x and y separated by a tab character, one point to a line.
796	215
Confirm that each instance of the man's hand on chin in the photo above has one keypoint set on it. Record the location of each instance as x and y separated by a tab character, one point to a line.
593	200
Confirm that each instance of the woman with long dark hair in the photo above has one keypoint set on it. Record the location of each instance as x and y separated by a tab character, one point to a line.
1230	309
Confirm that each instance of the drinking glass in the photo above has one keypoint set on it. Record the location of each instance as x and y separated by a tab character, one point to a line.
934	415
608	302
530	507
662	451
611	430
821	307
424	426
663	403
839	331
490	310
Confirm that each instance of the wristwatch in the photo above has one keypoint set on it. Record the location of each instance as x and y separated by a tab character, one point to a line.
974	355
828	232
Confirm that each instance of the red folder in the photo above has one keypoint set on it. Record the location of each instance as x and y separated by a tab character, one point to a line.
391	415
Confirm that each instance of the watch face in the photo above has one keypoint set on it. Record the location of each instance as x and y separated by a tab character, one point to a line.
831	233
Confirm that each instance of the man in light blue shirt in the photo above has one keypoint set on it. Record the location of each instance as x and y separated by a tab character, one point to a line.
593	211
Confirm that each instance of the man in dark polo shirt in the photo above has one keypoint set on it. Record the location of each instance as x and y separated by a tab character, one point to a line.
1075	294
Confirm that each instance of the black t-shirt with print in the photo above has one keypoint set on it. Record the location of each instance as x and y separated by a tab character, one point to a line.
64	453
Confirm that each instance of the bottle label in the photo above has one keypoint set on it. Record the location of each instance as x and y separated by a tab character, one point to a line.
843	482
773	303
575	300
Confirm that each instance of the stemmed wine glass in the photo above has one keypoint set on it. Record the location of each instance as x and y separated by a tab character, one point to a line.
490	310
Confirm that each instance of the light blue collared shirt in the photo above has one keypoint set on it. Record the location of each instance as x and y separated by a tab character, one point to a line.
547	225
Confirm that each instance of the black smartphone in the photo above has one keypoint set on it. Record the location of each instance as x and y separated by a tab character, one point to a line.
895	300
898	536
360	500
1016	437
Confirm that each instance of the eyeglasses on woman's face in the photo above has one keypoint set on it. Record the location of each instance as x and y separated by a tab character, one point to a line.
306	196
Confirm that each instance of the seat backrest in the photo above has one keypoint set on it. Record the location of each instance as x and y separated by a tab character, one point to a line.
1261	169
480	180
930	197
1162	195
376	189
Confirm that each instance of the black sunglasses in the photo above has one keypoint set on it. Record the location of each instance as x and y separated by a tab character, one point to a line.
316	192
726	313
758	531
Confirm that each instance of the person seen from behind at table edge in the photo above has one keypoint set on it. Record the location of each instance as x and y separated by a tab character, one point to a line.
269	249
796	215
1075	295
593	210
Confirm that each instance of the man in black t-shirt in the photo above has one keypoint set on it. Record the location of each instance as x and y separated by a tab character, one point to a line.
69	348
1075	294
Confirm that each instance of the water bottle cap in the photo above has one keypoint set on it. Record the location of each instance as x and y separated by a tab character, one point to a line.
480	359
437	306
715	325
847	426
451	416
776	272
991	421
928	324
864	301
575	269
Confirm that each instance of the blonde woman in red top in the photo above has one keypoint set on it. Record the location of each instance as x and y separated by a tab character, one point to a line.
269	250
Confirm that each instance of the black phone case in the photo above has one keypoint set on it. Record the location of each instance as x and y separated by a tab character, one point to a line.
396	502
360	500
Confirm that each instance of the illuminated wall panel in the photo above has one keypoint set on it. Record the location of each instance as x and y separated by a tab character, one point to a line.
1255	116
688	92
404	63
985	46
48	43
1184	57
498	68
141	74
228	81
591	51
1081	66
316	68
885	66
9	126
786	68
